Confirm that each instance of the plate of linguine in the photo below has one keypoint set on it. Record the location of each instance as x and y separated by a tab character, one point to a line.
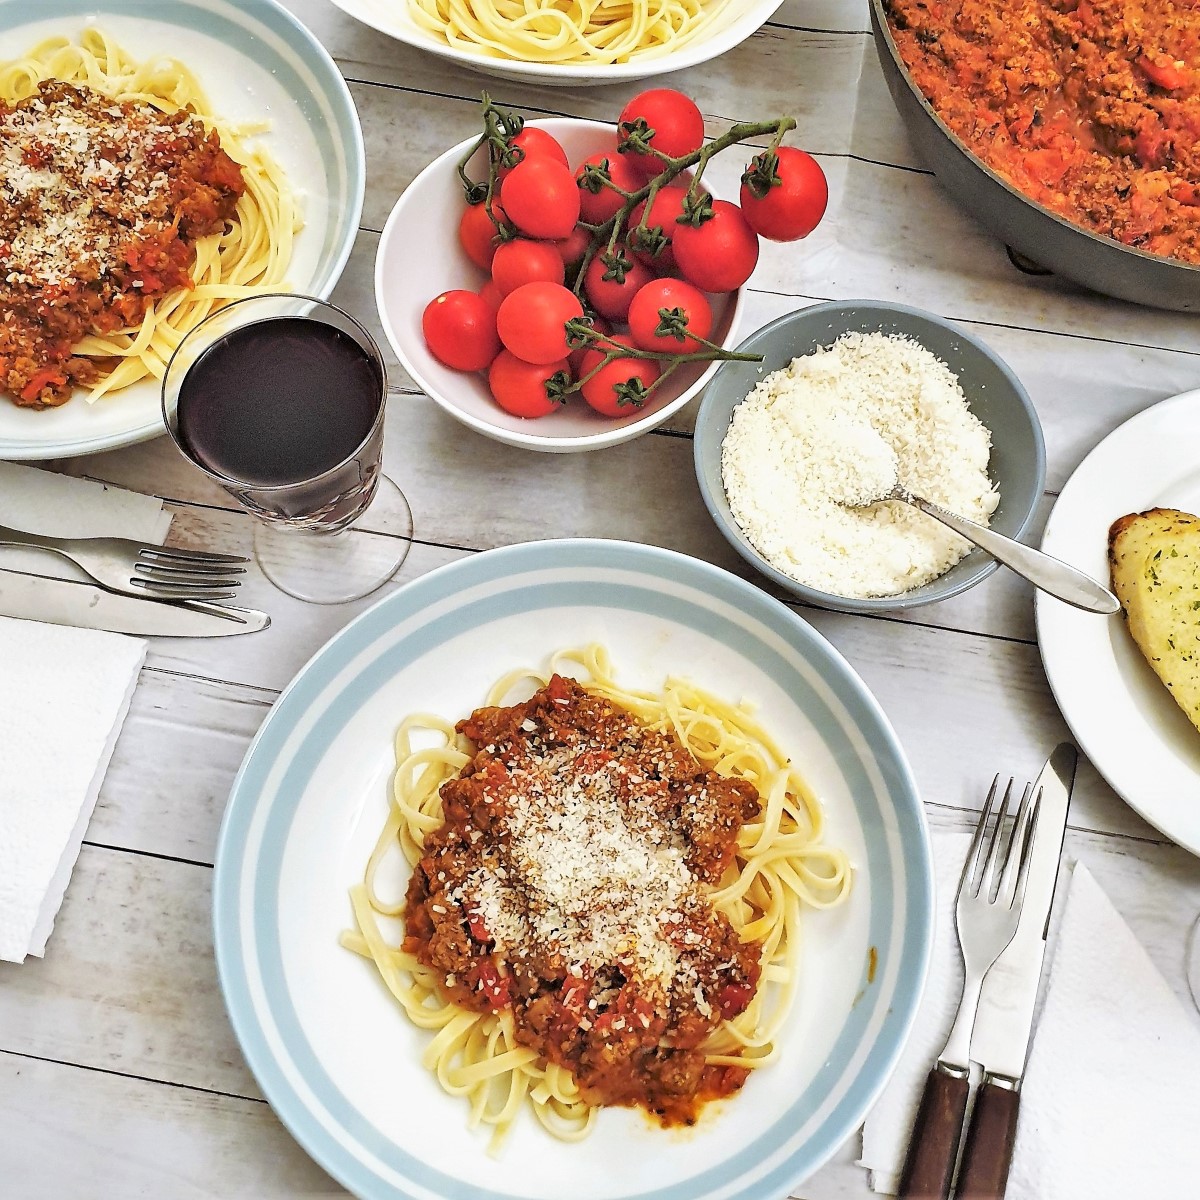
665	835
572	43
156	168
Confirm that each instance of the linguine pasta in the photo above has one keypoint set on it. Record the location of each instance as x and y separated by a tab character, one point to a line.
566	31
782	867
251	255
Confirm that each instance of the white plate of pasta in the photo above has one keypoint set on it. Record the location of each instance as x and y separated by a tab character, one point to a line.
569	44
365	1049
259	190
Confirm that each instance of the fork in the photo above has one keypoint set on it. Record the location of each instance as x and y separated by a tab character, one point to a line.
986	913
148	571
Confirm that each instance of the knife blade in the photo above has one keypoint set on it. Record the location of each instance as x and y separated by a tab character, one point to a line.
62	602
1004	1021
1001	1036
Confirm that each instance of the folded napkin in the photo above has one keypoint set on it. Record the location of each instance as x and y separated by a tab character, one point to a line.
64	694
60	506
1112	1086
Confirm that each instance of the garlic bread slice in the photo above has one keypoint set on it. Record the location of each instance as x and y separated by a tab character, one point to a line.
1155	563
1127	540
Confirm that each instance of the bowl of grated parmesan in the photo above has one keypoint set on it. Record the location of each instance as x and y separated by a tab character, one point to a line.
849	398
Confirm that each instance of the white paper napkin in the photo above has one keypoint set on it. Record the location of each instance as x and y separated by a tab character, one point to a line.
43	502
1111	1095
1112	1086
64	694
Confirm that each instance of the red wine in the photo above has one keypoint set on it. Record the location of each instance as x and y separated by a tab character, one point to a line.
279	401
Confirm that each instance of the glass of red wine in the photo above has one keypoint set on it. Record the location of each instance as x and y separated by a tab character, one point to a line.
280	400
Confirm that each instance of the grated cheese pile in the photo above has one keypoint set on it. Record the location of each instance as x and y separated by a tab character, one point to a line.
80	174
588	878
836	429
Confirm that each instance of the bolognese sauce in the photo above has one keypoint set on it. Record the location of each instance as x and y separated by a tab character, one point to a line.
1090	107
101	203
569	887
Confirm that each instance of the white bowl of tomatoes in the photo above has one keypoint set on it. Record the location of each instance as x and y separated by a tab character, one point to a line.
522	321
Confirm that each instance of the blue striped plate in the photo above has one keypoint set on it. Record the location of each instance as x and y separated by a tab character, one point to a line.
257	64
332	1051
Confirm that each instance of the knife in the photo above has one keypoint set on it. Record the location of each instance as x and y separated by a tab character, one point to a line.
1004	1021
62	602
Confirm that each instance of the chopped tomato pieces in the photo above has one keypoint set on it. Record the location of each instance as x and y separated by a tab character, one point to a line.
494	986
478	928
1185	193
733	998
47	377
1164	73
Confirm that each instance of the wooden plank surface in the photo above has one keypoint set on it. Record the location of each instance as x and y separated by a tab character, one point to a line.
119	1073
127	1002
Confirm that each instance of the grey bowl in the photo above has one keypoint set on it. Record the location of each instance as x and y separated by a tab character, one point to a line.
1075	253
996	397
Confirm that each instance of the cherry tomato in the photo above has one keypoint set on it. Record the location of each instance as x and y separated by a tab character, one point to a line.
719	254
477	233
667	206
597	207
676	125
792	207
531	321
520	387
600	325
611	297
460	330
530	141
601	390
673	296
573	248
491	295
522	261
540	198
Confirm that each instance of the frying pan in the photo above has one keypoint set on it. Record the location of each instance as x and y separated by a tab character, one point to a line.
1027	227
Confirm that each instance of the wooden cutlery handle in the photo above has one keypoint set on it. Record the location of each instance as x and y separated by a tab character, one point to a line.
990	1139
929	1167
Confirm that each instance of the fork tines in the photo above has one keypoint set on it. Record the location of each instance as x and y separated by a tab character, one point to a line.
167	573
179	567
1002	877
175	553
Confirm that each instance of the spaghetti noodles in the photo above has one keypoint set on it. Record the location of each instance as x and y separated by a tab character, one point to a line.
566	31
722	939
129	212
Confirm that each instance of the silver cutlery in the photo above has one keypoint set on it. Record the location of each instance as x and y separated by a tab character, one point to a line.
1004	1022
145	570
65	602
988	909
1050	574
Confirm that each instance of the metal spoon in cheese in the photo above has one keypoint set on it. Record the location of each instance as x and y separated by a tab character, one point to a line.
1052	575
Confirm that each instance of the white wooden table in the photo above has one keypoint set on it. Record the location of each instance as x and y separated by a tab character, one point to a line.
119	1073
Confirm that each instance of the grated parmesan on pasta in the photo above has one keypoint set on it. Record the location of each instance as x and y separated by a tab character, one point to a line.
838	427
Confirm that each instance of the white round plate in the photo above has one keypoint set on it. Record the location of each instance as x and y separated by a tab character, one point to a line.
420	256
1123	718
256	62
333	1052
738	20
